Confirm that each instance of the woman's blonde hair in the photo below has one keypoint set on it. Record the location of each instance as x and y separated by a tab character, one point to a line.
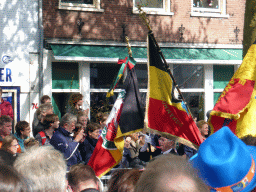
7	142
201	123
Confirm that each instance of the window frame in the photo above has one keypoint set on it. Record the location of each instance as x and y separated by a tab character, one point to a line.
81	6
166	10
210	12
200	9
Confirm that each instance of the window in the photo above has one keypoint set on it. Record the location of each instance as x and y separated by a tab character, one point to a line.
221	77
150	3
195	103
78	1
190	79
208	4
102	76
209	8
80	5
189	76
65	75
161	7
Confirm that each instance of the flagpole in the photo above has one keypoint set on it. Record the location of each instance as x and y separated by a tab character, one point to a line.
144	17
128	46
130	54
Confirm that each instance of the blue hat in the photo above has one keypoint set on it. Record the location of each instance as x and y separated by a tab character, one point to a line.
226	163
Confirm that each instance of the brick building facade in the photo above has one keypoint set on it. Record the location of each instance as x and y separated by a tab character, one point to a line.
107	24
203	56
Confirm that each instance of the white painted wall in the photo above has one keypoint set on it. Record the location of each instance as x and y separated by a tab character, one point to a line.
19	40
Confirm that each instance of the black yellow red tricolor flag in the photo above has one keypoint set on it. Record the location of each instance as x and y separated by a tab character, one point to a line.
126	117
236	106
163	113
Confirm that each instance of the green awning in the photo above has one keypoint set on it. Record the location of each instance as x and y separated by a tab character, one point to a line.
92	51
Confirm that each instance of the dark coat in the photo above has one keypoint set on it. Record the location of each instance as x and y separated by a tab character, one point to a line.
38	128
62	141
7	157
87	147
183	149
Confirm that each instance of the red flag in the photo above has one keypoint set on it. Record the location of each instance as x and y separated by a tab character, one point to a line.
236	107
106	155
125	118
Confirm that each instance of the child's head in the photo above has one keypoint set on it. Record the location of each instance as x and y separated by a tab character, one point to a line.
51	120
30	143
82	118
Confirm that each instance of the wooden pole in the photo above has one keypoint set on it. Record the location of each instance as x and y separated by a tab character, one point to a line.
128	46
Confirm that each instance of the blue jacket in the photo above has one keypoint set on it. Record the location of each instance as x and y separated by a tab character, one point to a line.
62	141
20	141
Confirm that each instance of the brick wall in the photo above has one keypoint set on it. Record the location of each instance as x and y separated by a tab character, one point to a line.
108	25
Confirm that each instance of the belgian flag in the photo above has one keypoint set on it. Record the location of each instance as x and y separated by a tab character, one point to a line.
236	106
165	113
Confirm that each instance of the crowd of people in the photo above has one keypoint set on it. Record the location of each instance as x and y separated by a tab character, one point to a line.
56	157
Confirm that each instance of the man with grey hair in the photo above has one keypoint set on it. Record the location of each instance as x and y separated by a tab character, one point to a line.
64	142
44	168
167	146
170	173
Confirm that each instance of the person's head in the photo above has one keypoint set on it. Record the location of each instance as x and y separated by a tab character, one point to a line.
101	118
127	142
44	109
5	125
93	130
76	100
10	144
45	99
51	121
82	118
249	140
68	122
166	144
124	180
203	127
135	136
22	129
11	180
30	142
226	163
170	173
44	167
1	92
115	177
81	177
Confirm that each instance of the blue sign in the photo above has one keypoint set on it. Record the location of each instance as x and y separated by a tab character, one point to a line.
8	75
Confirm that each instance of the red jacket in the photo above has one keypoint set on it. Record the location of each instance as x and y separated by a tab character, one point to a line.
6	108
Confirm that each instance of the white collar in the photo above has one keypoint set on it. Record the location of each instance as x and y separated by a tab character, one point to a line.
168	151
